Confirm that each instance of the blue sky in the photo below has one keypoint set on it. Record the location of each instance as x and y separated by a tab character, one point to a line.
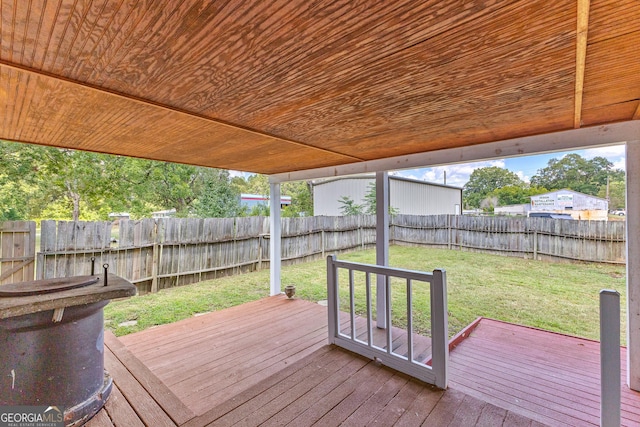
525	167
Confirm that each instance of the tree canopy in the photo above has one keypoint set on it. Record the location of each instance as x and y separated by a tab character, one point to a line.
368	207
484	181
497	186
576	173
38	182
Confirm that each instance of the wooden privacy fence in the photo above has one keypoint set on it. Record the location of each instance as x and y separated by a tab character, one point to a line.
161	253
536	238
17	251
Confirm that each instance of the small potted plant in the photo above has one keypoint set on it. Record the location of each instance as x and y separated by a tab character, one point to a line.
290	291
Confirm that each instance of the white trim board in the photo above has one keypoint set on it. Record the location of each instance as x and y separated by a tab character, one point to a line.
573	139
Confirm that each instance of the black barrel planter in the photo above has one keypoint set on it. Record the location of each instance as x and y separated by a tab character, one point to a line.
52	344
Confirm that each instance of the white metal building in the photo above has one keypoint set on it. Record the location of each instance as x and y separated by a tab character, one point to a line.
407	196
578	205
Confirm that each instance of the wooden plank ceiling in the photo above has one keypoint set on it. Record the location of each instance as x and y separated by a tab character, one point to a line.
284	85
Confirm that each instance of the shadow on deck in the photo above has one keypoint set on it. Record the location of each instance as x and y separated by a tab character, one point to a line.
267	363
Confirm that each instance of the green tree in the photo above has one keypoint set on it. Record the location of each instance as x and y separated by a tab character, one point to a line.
175	186
45	182
617	194
257	184
301	199
18	192
217	198
515	194
371	201
484	181
577	173
349	206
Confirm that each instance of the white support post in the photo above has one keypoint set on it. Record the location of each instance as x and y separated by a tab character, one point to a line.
609	358
332	298
633	264
275	244
382	244
439	329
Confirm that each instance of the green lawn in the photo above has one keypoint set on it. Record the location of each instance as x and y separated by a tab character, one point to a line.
554	296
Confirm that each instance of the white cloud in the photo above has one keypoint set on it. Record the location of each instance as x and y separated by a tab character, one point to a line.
614	153
610	151
522	176
457	175
620	164
233	174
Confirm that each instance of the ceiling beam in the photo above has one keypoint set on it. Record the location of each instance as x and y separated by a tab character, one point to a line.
572	139
581	58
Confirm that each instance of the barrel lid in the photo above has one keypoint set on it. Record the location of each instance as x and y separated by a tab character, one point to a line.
48	286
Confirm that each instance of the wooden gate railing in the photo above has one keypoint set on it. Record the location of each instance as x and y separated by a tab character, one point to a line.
390	353
17	251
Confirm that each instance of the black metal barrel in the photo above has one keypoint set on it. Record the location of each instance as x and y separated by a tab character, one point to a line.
49	363
55	356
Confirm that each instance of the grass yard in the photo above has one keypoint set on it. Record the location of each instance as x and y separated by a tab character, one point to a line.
554	296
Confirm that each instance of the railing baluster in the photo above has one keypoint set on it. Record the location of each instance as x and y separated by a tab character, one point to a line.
369	309
387	296
332	284
409	322
352	305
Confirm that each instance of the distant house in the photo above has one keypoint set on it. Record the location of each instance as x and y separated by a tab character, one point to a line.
408	196
512	210
117	216
560	204
169	213
253	200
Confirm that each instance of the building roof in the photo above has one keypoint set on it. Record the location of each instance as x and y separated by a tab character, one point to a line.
566	190
372	176
284	86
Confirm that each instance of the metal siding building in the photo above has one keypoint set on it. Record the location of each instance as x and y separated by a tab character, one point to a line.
408	196
578	205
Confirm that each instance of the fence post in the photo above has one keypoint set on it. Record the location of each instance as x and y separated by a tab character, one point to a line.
535	245
155	255
609	358
332	298
260	241
439	328
449	231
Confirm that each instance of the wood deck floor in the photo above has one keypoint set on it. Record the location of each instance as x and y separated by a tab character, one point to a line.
550	377
267	362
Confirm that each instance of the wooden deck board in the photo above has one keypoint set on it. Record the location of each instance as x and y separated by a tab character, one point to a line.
177	411
552	378
419	410
293	402
397	405
121	412
101	419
